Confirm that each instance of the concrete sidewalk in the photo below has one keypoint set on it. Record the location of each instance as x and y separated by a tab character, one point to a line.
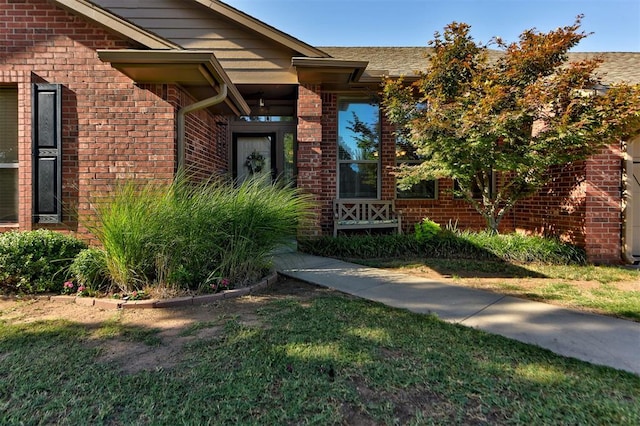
593	338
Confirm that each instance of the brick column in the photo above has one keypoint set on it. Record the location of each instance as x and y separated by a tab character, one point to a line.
603	202
310	151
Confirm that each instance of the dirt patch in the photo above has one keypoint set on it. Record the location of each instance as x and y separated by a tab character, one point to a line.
176	327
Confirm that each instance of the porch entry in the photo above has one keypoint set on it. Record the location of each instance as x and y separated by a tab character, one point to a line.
254	155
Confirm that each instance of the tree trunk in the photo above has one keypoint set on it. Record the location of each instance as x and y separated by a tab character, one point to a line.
492	223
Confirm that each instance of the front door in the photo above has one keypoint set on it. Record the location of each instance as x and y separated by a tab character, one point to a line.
253	155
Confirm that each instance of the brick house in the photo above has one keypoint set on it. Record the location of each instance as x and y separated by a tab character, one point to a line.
95	92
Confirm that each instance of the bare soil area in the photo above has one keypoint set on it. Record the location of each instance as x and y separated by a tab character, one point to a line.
173	324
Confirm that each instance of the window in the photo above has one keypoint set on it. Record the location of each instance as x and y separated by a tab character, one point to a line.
8	155
358	148
406	154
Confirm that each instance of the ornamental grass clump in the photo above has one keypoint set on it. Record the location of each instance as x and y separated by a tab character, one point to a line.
191	235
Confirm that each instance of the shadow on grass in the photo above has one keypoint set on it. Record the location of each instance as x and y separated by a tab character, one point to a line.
469	268
448	256
462	268
316	357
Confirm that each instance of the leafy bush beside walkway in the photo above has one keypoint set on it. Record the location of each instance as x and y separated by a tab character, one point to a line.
447	244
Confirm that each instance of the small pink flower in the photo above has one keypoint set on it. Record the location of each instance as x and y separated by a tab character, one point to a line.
68	284
81	289
224	282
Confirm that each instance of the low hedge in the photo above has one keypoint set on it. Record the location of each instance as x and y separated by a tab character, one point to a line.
447	245
36	261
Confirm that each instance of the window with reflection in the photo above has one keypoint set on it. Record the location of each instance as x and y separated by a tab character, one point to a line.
406	154
358	148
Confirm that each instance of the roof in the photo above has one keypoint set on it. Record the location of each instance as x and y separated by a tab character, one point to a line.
199	71
618	67
262	28
340	66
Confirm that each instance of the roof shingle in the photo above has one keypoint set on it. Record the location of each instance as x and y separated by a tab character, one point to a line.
617	67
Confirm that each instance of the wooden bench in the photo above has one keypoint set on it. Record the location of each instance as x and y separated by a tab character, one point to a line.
365	214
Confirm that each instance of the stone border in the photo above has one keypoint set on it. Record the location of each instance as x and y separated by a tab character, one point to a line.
167	303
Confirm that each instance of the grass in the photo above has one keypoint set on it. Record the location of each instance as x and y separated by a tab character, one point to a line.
586	287
114	328
191	235
328	360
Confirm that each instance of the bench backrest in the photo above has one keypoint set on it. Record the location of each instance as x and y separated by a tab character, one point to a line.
364	210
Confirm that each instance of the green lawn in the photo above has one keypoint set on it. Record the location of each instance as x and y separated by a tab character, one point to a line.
325	359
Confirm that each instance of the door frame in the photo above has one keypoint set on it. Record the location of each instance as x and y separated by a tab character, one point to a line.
280	128
272	148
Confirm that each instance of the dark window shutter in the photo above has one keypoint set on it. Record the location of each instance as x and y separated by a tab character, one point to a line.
47	153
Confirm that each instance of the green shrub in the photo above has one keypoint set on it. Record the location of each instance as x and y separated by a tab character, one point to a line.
36	261
447	244
89	269
426	230
192	235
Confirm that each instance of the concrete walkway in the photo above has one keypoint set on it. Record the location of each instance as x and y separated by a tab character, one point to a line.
593	338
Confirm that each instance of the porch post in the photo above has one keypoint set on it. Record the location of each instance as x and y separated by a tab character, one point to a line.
310	151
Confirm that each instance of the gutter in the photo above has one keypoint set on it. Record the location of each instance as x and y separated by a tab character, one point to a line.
205	103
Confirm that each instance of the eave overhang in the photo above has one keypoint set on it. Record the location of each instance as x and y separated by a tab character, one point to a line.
115	24
198	72
333	74
340	74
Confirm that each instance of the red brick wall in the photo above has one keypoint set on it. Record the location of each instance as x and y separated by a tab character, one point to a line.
582	205
112	129
329	159
313	167
559	208
206	139
603	215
